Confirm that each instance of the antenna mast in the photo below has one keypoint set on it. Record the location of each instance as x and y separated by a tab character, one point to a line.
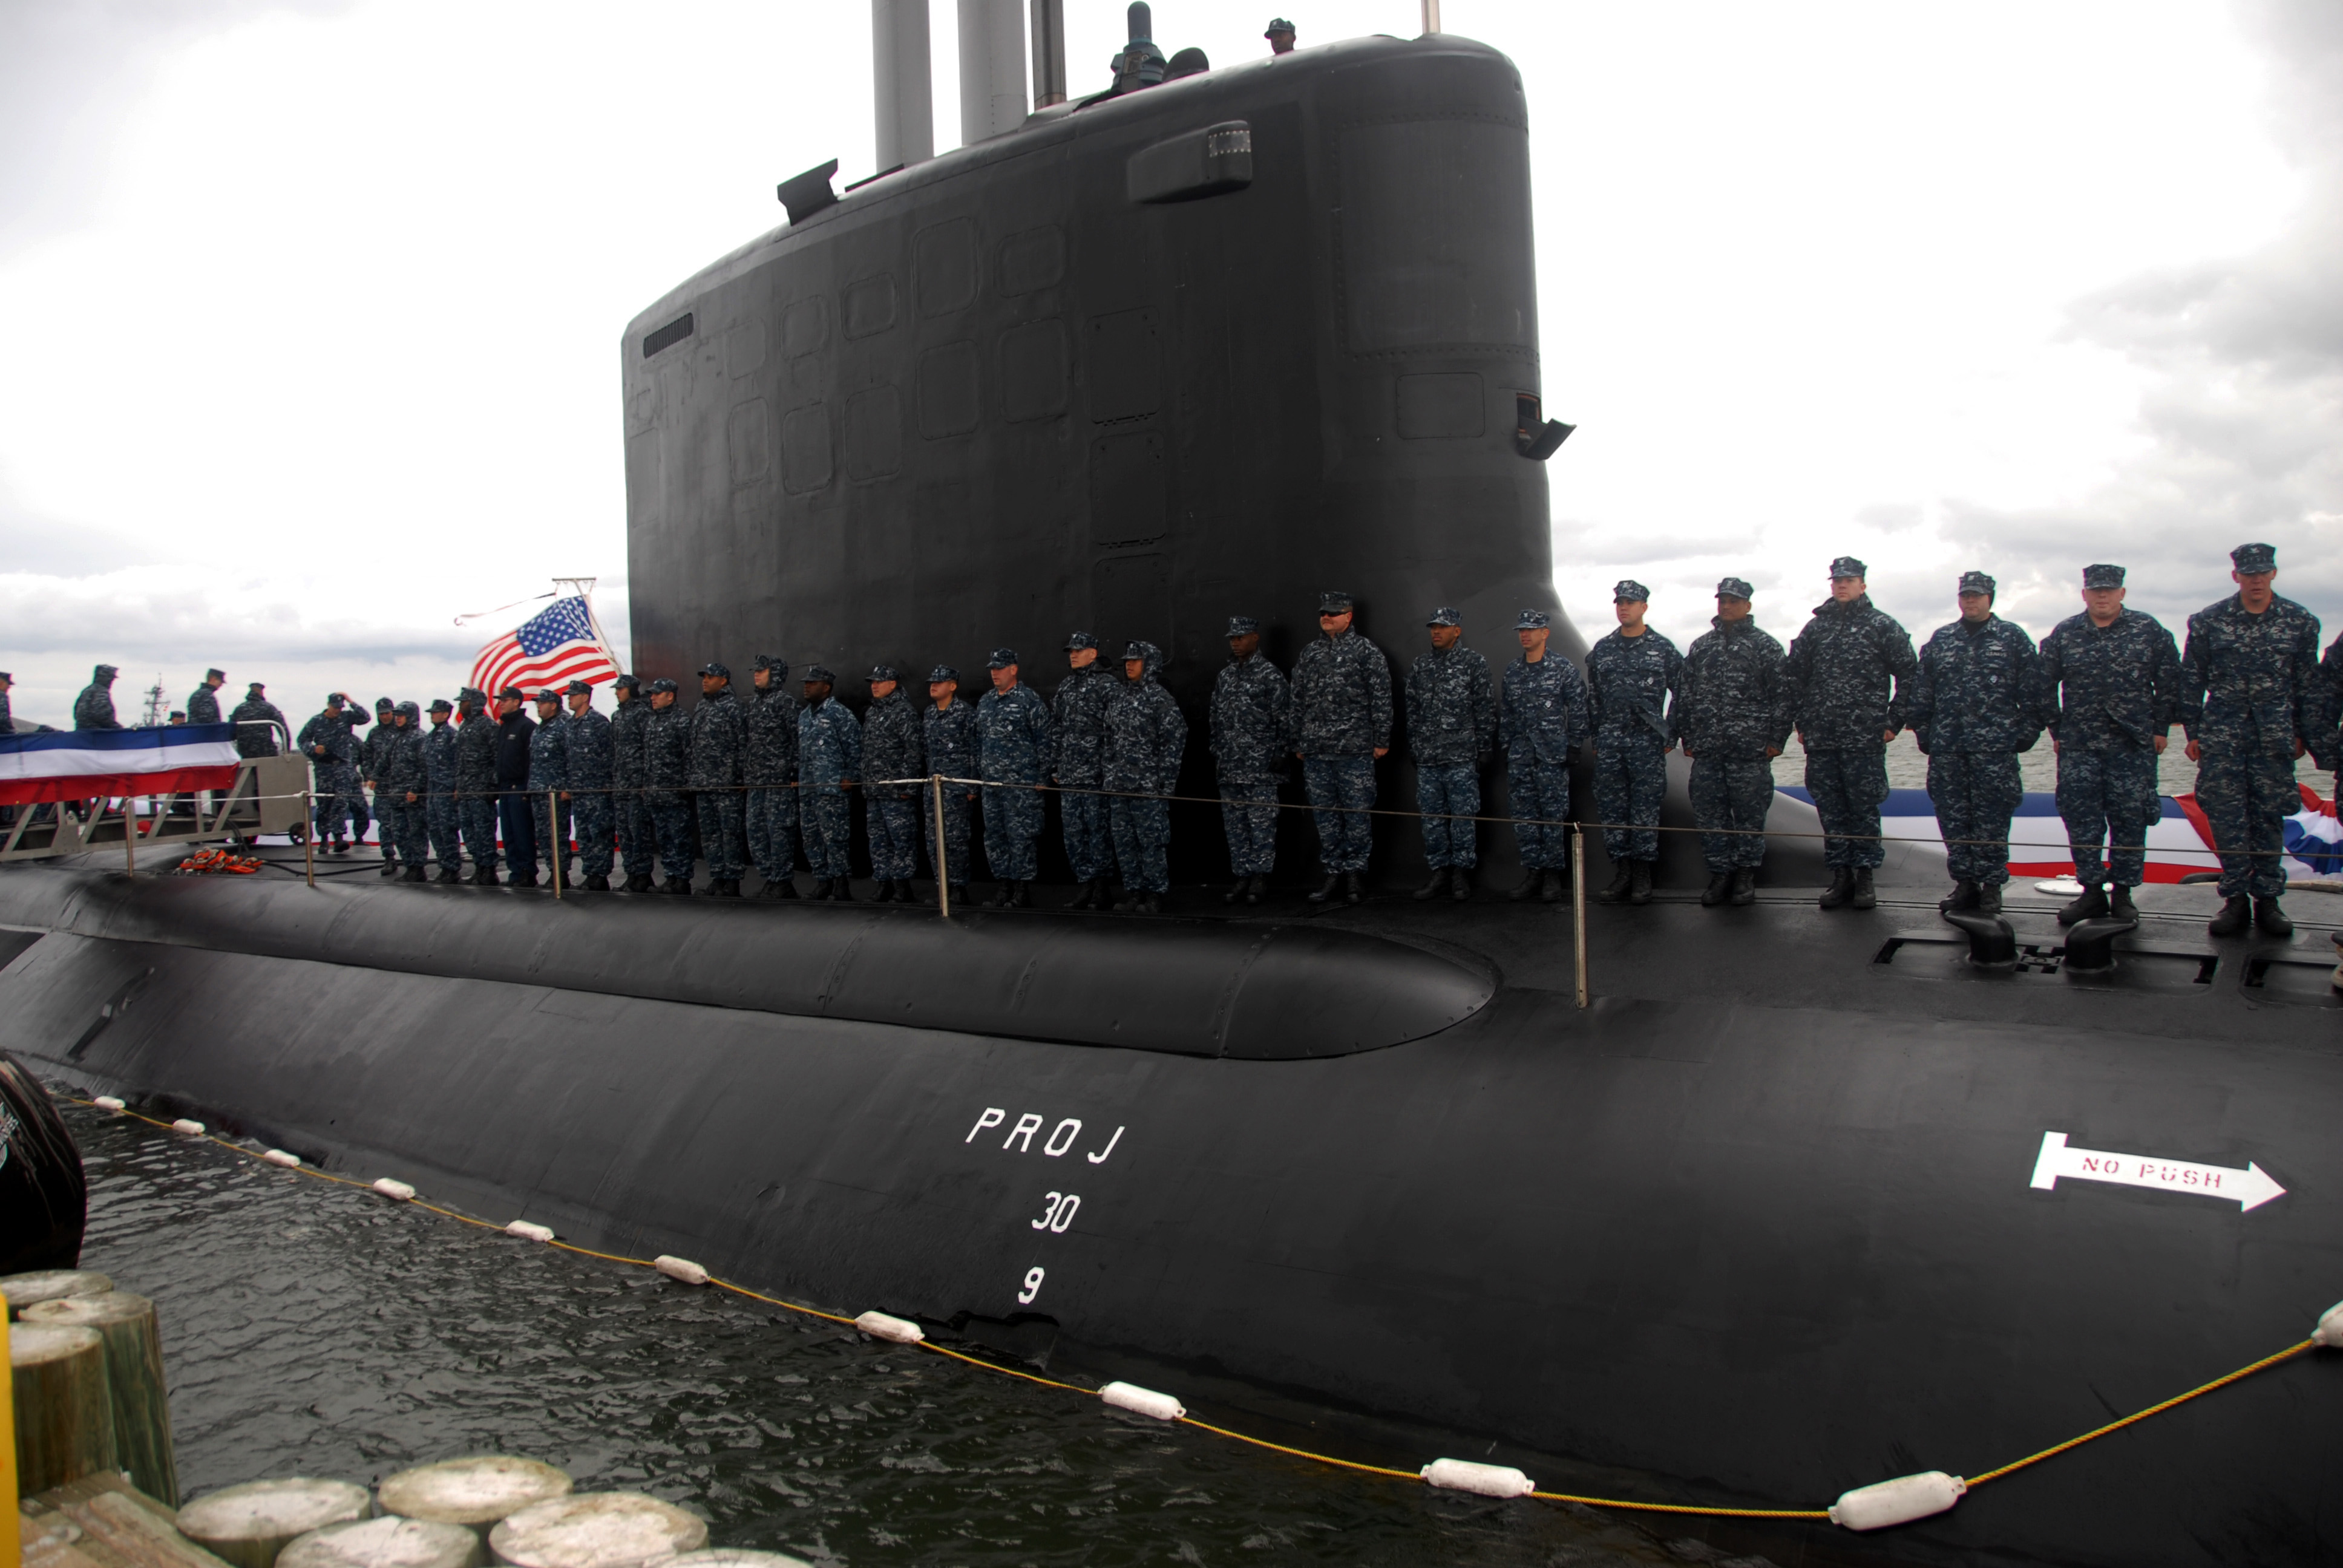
156	709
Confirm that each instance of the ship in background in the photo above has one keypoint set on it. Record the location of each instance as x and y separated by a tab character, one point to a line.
1794	1202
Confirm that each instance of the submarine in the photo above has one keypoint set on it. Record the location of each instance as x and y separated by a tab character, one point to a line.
1750	1208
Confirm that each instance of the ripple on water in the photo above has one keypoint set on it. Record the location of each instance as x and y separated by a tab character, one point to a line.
311	1330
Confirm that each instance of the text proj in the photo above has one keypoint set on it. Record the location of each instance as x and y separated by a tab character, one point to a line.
1020	1137
2249	1189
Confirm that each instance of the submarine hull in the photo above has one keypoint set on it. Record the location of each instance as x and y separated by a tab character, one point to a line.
1699	1242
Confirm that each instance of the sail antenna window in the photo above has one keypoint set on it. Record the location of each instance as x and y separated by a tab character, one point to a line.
1536	436
807	194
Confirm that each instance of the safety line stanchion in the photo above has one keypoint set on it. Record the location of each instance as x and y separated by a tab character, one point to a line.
129	833
1578	906
309	838
558	851
943	866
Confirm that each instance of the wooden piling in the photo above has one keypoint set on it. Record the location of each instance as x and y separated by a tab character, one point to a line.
48	1284
249	1526
387	1542
64	1421
476	1492
133	1376
603	1529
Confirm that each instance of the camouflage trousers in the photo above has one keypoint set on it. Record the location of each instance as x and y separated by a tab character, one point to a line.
591	811
638	845
402	829
721	839
2247	797
1012	820
772	825
671	822
1849	786
827	820
1083	818
1340	790
1976	793
1730	797
554	821
2107	800
956	803
1249	818
1449	796
1142	837
444	826
339	804
891	823
1631	779
1540	792
477	816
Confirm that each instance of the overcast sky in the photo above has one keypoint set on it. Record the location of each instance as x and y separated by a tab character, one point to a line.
312	309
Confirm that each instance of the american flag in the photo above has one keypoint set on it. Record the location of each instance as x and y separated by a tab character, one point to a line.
560	644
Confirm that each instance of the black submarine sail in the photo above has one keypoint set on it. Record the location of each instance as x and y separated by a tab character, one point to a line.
1802	1202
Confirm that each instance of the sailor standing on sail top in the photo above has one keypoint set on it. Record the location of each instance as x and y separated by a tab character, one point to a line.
1846	674
1975	704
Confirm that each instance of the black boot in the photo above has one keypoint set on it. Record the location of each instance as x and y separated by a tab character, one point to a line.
1841	888
1148	904
524	879
2090	906
447	874
681	886
412	874
1333	885
1555	889
1863	897
841	891
1639	882
1964	896
1237	891
2236	915
1256	888
1615	891
1531	880
2272	919
1087	895
1744	886
821	890
638	881
1720	887
1989	898
390	867
484	876
1435	888
1355	887
2119	904
1460	883
1021	895
960	895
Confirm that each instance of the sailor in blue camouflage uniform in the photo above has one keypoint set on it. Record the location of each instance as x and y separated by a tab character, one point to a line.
1631	676
630	816
442	821
255	734
892	749
2111	694
203	703
374	756
407	786
1252	727
771	769
586	749
548	775
1146	736
1078	736
2252	700
476	782
830	758
1975	704
1013	743
332	748
94	708
667	772
1848	672
948	731
1341	729
719	736
1732	715
1451	725
1546	711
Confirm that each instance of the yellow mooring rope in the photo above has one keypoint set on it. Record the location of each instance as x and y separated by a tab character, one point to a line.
1619	1502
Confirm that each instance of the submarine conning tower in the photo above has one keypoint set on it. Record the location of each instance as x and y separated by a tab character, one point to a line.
1149	361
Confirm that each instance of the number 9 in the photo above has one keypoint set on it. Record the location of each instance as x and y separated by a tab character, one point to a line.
1032	1285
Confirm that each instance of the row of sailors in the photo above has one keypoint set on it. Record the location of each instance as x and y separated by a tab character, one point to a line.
751	781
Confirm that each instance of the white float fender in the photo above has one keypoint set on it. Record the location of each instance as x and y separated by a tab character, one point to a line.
529	1232
280	1157
1488	1480
1897	1501
2329	1331
683	1268
1140	1401
192	1129
879	1326
396	1191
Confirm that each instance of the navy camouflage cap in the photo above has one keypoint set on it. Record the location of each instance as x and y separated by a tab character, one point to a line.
1976	582
472	694
1002	657
2100	574
334	699
1848	566
384	705
712	668
1244	626
103	672
1278	25
1132	649
1445	615
626	683
879	672
1627	590
942	672
2254	557
408	711
816	675
441	705
662	684
1530	620
1079	641
1735	587
255	686
549	695
579	689
1333	601
778	665
214	675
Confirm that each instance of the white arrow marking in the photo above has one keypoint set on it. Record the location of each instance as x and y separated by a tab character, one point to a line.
2250	1187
